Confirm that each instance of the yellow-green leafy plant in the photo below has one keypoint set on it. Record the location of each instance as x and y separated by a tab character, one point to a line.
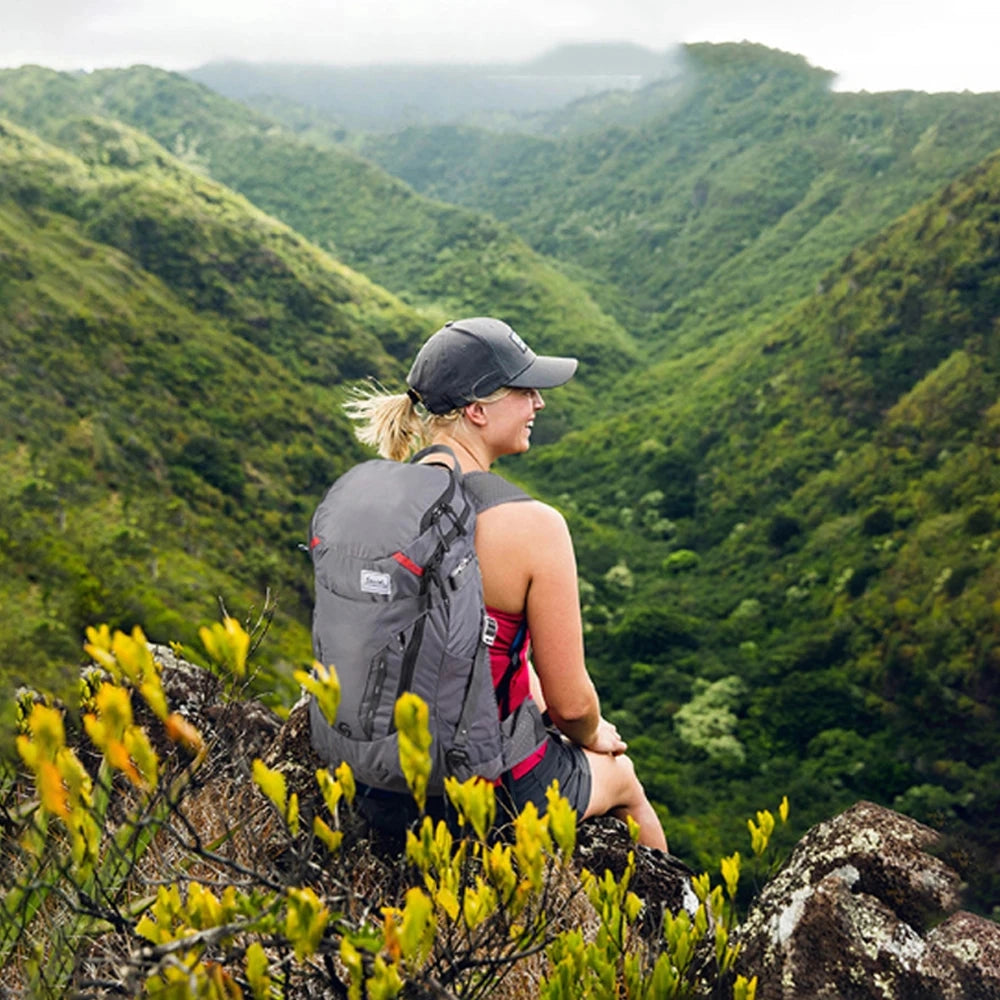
73	846
473	899
694	957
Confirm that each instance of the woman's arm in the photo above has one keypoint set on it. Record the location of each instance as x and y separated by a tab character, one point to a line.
528	564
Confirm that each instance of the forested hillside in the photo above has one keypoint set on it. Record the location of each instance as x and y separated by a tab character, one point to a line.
808	593
779	461
169	356
813	579
446	260
739	185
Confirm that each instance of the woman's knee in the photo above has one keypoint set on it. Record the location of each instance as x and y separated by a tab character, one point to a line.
614	783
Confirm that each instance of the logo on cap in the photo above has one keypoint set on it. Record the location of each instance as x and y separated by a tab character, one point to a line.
518	343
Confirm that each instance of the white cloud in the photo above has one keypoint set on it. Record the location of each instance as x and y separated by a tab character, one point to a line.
873	44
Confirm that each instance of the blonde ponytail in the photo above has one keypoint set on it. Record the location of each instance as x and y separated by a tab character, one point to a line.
389	422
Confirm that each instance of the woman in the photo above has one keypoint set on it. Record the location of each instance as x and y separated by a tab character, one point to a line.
475	388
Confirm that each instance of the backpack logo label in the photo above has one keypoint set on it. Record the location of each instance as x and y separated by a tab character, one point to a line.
376	583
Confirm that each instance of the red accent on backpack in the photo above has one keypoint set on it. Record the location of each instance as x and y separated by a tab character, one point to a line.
408	563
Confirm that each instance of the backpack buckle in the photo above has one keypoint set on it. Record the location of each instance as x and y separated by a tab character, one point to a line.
490	629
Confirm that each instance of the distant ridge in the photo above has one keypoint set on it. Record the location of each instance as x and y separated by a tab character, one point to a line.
603	59
395	95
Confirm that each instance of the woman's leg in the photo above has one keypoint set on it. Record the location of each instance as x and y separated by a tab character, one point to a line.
615	789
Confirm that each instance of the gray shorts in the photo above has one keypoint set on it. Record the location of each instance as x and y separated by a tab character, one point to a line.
563	760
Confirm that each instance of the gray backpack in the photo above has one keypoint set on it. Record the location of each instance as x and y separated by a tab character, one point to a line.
399	607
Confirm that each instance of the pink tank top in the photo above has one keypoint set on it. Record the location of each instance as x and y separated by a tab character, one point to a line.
509	665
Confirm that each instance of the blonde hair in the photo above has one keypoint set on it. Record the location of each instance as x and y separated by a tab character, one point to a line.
394	425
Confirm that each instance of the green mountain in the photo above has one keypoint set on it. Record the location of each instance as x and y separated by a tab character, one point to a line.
704	203
169	357
811	590
783	492
445	260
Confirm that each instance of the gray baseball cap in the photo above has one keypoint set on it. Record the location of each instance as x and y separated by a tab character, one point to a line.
467	359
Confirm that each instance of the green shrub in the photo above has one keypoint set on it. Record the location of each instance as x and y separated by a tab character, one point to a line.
681	561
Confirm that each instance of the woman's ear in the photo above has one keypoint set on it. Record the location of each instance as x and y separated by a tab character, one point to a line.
475	413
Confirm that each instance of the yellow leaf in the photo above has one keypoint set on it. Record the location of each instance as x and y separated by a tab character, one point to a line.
271	783
411	718
731	873
478	904
114	708
331	790
99	636
531	840
239	640
28	751
345	776
305	921
227	643
475	801
416	933
75	777
331	838
385	982
633	829
257	971
152	693
323	685
179	730
96	730
701	885
51	790
142	752
351	958
562	821
448	901
149	929
46	727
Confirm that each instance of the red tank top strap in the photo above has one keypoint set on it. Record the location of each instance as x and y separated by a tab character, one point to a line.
509	666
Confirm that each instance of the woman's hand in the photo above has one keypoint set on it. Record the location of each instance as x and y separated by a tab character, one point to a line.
606	740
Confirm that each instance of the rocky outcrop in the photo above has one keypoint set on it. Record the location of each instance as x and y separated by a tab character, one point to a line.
863	911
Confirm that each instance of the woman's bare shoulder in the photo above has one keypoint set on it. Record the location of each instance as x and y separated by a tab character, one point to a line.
529	533
525	515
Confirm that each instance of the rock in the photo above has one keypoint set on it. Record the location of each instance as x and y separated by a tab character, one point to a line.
862	911
661	881
238	730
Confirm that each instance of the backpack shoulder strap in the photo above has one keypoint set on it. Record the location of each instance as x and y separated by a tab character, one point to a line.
487	489
437	449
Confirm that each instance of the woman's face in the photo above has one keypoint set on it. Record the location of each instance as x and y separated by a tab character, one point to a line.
510	420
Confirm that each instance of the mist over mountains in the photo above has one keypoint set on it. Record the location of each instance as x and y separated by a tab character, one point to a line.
387	97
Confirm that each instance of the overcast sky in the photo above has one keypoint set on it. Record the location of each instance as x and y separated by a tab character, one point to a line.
871	44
